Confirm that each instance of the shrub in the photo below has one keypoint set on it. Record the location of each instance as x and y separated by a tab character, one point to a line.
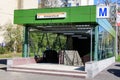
118	60
2	50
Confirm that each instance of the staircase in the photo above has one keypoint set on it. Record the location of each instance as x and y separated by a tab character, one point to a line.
55	70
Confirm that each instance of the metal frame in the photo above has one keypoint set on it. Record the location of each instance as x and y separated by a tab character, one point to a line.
77	30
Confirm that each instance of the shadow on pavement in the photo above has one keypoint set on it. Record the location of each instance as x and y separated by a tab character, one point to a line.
81	68
116	72
118	65
3	68
3	61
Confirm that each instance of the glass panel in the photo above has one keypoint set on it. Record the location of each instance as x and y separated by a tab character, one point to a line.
69	4
77	4
39	42
105	44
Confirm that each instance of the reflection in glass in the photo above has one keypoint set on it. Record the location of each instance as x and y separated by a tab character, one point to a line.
106	44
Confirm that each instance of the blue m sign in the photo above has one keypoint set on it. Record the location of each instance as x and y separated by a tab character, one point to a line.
102	12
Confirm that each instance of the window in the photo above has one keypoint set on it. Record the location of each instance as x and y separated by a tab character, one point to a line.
105	44
77	4
69	4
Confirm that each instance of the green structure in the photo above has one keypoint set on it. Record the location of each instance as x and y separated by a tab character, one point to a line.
98	36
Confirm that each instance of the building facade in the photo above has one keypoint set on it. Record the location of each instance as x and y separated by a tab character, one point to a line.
79	2
64	3
7	8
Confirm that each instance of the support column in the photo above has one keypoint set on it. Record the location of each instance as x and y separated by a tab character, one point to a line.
96	44
25	44
116	43
91	45
69	42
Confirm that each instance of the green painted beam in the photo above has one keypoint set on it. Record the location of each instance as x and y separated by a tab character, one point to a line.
80	14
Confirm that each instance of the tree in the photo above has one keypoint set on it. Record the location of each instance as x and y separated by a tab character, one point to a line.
13	37
51	3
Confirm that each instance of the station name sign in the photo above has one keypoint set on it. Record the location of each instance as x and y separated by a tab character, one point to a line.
51	15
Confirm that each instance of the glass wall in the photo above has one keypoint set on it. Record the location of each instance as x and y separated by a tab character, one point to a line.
105	44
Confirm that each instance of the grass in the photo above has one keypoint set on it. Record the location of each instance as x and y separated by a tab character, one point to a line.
118	60
13	55
10	55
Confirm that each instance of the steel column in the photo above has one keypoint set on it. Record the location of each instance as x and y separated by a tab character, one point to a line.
25	44
96	44
91	54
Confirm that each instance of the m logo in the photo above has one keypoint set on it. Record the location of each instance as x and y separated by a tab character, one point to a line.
102	12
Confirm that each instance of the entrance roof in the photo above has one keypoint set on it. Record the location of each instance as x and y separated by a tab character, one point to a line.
72	15
63	29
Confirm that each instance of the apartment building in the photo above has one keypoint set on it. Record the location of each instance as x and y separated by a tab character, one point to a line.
64	3
7	8
80	2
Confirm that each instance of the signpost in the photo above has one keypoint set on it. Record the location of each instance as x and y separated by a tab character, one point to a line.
103	11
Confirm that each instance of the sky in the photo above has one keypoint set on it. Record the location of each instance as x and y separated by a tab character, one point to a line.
95	1
39	1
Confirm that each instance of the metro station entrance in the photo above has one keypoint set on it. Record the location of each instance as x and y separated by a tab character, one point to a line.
71	36
61	44
59	35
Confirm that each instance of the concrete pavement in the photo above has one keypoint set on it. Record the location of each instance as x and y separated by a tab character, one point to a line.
110	73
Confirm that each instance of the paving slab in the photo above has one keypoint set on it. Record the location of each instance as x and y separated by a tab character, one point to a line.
110	73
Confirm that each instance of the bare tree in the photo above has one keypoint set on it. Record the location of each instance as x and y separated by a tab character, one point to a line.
51	3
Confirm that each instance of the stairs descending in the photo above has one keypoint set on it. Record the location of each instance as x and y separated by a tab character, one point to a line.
55	72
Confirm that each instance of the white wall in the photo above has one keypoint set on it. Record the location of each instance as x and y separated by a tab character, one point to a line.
81	2
93	68
28	4
6	14
7	11
7	8
87	2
